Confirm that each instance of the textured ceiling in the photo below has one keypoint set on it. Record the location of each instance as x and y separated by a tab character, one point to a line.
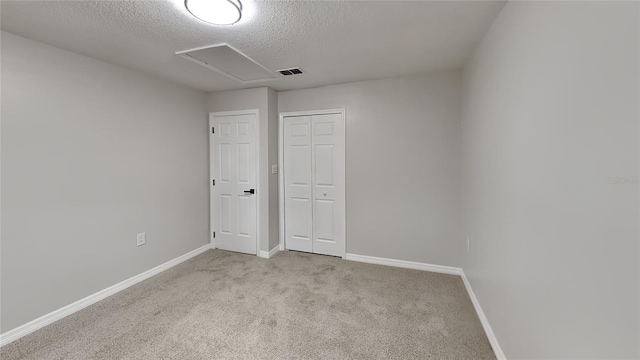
332	41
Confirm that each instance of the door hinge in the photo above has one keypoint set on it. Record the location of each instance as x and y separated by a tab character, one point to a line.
214	234
213	130
213	182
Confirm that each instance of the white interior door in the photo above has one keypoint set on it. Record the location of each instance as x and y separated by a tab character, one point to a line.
234	164
314	183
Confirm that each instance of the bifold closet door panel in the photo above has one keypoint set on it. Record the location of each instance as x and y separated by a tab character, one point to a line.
328	166
298	183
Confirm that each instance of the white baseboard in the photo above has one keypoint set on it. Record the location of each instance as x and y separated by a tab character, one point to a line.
20	331
269	254
28	328
483	320
444	270
404	264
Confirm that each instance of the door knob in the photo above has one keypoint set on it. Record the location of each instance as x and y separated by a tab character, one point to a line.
251	191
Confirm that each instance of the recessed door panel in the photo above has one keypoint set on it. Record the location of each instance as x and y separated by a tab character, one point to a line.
300	224
225	162
225	213
323	128
244	216
243	128
324	214
324	165
299	130
300	165
244	165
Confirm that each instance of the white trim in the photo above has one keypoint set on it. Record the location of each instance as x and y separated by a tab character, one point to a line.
235	112
28	328
484	321
405	264
255	112
280	182
281	209
269	254
312	112
444	270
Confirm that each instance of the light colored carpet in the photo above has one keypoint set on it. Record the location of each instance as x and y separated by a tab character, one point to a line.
222	305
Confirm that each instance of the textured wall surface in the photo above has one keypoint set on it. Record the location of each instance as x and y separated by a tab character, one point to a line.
93	154
551	179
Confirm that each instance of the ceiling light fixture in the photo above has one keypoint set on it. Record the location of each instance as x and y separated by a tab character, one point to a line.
219	12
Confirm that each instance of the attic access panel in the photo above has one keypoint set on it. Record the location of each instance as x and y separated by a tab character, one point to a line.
230	62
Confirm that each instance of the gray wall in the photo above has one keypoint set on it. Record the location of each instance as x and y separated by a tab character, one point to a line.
262	99
274	215
92	154
551	179
403	156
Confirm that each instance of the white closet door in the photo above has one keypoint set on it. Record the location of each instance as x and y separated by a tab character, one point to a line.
298	185
328	166
314	183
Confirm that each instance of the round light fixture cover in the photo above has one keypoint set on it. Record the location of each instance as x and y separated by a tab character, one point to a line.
219	12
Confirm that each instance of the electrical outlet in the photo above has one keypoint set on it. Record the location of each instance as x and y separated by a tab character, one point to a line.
274	169
469	245
141	239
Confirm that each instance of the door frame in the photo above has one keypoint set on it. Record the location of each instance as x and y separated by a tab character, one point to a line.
281	200
212	158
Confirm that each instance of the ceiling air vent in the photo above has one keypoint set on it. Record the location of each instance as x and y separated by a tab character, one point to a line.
293	71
